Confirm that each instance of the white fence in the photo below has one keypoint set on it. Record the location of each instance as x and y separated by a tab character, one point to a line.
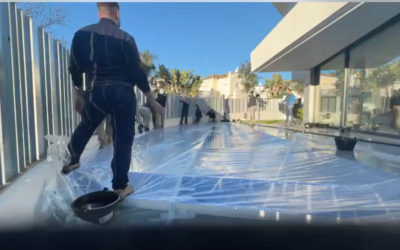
36	94
267	109
35	91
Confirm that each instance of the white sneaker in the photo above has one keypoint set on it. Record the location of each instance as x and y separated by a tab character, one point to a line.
124	192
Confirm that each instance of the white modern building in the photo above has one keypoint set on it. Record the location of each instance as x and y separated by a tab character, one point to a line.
346	54
259	89
228	85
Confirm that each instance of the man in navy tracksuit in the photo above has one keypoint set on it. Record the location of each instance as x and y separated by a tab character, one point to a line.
110	60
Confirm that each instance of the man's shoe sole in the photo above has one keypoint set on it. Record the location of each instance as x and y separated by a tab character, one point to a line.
69	168
123	197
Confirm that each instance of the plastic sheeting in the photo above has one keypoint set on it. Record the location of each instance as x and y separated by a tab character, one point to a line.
238	171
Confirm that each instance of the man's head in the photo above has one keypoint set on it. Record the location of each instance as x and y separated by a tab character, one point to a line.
109	10
288	91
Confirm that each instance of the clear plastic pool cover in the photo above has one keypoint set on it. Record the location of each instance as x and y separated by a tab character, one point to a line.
238	171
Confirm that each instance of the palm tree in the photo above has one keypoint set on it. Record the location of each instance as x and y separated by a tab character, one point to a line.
147	59
186	78
164	74
195	85
249	79
277	86
175	77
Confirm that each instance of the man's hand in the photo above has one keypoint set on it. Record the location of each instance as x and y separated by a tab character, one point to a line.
157	107
78	102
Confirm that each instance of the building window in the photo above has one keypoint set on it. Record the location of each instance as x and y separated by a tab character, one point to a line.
328	104
329	91
373	93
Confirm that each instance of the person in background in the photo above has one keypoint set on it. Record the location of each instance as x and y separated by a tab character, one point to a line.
198	114
185	100
226	108
211	114
104	132
144	118
395	107
110	59
147	113
159	119
296	108
251	108
289	101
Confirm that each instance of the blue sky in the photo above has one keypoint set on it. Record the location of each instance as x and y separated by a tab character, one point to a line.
208	38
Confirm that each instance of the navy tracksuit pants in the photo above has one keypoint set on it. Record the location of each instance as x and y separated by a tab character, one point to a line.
119	101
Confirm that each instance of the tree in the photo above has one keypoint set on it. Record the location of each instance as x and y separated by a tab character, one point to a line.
195	85
164	74
297	87
249	79
186	77
179	80
176	83
147	59
384	76
276	86
46	17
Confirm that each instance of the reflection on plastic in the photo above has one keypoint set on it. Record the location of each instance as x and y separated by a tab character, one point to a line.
57	147
221	169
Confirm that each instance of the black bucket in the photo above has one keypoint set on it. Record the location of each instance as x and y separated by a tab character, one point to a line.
96	207
345	143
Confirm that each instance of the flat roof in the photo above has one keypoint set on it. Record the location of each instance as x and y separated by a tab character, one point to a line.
312	32
215	76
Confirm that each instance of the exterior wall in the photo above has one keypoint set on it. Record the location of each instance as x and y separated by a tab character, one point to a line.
326	88
312	32
361	42
302	18
224	86
229	86
259	89
206	86
283	7
237	89
303	77
309	104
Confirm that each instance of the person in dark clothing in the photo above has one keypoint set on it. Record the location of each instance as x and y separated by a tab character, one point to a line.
110	60
198	114
158	119
185	109
162	99
226	109
296	108
395	107
251	107
211	114
144	118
